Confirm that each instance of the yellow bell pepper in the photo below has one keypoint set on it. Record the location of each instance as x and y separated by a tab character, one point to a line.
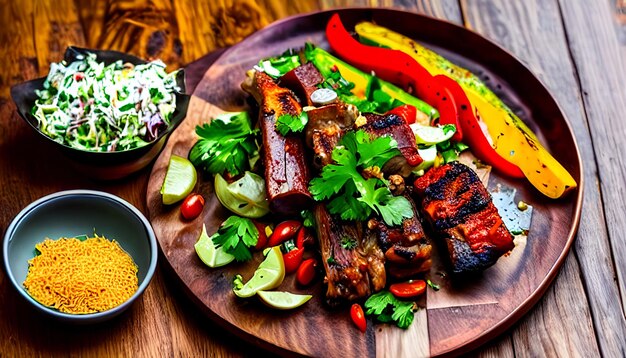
512	139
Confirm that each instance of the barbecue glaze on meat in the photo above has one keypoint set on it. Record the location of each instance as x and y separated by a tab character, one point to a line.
461	212
325	128
407	248
286	170
303	80
354	272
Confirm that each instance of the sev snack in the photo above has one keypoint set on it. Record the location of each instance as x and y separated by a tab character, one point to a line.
79	277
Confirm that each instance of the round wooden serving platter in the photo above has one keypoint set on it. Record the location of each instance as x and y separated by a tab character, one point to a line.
459	317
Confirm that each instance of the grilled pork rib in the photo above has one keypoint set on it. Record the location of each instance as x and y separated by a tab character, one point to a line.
392	125
407	248
354	266
303	80
326	126
460	210
286	171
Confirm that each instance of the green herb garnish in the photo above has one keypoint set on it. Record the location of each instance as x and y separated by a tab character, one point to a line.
387	309
348	243
236	236
351	195
226	144
288	123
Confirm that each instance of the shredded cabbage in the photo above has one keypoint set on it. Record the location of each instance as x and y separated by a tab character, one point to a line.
90	106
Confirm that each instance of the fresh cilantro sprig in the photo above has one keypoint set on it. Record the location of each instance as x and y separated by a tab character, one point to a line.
288	123
226	144
386	308
351	195
236	236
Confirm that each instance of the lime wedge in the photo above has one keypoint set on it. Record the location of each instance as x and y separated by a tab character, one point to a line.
209	254
428	154
269	275
244	197
179	181
283	300
428	135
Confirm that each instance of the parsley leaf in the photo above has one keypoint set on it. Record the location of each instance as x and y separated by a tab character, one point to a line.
236	236
351	195
226	144
403	314
288	123
388	309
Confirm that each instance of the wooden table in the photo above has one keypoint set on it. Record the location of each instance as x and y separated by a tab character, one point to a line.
576	47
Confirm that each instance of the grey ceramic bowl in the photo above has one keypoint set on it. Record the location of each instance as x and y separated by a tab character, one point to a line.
73	213
102	165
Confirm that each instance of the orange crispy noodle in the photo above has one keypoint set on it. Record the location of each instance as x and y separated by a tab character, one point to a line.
81	277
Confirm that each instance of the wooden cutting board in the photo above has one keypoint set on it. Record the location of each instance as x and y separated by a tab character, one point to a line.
464	313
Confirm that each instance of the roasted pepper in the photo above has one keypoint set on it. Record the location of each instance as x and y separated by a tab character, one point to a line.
327	63
474	136
394	66
512	139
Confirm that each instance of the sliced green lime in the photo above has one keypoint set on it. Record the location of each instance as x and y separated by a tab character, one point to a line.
209	254
179	181
269	275
283	300
428	154
428	135
245	197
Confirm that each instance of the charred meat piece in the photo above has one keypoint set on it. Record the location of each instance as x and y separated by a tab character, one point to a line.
390	124
460	210
407	248
325	127
354	267
303	80
286	171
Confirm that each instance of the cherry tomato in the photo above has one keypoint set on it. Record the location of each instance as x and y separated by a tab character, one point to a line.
304	238
306	272
283	232
192	206
262	241
358	317
408	289
292	260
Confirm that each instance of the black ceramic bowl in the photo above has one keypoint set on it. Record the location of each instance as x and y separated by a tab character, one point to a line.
102	165
79	212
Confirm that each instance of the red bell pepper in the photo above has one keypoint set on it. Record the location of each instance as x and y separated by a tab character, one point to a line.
440	91
407	112
472	132
393	66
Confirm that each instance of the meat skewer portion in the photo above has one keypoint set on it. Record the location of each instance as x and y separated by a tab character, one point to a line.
461	212
354	265
286	170
407	248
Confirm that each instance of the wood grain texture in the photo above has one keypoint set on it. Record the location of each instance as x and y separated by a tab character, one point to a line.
535	33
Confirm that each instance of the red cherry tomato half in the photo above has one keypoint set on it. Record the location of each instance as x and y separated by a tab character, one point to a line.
192	206
292	260
408	289
306	272
261	243
283	232
358	317
304	238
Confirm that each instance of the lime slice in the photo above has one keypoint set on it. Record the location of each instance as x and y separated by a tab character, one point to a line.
428	135
209	254
269	275
428	154
244	197
179	181
283	300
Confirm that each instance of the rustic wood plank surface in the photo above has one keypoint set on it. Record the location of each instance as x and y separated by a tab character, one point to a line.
578	48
